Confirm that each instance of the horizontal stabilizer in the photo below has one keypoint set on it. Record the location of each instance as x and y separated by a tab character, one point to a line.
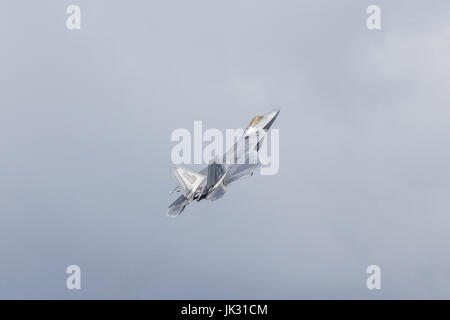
177	206
189	181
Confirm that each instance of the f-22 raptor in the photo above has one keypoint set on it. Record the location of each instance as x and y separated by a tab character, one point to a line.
210	182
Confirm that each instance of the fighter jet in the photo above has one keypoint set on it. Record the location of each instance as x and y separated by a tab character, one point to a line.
241	160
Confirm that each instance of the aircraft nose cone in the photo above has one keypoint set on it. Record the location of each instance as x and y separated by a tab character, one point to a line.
272	116
273	113
277	111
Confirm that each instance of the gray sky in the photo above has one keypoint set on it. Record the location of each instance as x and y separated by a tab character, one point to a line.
85	124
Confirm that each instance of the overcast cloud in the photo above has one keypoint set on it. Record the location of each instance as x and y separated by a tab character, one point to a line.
85	124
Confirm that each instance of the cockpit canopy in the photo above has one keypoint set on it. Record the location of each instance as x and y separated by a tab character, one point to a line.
255	120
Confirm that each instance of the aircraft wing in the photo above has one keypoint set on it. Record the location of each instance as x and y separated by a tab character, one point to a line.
237	171
188	181
217	193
